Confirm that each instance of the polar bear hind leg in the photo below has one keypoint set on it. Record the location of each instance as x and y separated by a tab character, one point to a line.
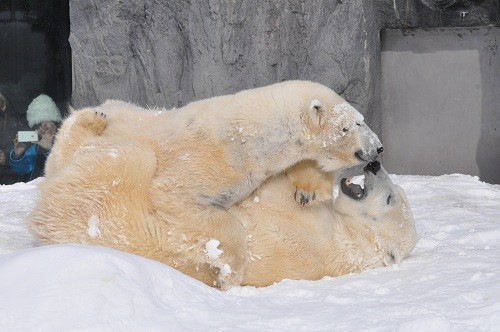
101	198
77	131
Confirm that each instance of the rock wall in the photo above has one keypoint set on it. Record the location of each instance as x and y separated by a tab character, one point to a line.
168	53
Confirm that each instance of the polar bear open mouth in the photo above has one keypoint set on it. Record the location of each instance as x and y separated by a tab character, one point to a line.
353	187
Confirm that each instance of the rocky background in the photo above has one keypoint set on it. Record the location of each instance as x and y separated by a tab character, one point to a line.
168	53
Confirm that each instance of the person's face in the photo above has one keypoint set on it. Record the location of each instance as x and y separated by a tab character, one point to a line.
47	128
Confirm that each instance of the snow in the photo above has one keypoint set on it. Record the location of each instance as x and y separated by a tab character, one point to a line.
347	108
315	104
451	282
93	230
212	249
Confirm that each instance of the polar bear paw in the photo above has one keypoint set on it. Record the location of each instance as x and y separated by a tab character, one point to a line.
304	197
224	275
227	278
94	122
311	185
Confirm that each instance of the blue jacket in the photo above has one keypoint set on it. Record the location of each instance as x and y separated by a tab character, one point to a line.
31	162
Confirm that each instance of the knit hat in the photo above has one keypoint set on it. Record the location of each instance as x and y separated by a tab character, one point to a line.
42	109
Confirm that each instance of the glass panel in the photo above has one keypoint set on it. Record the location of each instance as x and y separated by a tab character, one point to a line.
35	60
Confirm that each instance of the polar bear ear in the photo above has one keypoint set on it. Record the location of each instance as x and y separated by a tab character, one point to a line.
317	109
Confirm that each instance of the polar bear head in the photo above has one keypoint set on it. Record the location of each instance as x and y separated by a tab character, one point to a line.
334	130
381	211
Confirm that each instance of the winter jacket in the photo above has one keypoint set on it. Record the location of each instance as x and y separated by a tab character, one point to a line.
30	164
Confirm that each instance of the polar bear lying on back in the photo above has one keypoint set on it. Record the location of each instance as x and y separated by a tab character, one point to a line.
162	184
360	229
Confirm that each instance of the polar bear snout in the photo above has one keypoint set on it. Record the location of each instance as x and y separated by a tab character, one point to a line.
370	145
370	155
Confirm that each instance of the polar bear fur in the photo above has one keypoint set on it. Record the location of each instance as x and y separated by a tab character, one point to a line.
162	184
335	237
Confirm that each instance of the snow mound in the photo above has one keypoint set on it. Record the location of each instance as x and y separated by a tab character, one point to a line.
451	282
67	287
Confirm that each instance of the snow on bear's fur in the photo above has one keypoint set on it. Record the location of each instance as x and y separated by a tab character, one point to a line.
163	184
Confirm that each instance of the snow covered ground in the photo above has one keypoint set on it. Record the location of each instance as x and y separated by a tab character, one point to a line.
450	283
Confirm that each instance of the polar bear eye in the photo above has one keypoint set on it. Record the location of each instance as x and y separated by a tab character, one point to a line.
358	124
345	130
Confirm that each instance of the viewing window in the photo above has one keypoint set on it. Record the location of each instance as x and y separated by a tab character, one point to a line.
35	59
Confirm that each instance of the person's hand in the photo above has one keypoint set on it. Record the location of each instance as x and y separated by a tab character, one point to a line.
3	158
19	148
47	131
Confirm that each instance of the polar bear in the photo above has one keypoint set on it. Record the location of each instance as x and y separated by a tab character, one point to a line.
161	184
362	228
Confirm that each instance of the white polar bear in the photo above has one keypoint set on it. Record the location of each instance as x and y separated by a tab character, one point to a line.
359	230
161	184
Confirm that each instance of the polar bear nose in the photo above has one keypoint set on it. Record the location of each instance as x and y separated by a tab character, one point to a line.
380	150
373	167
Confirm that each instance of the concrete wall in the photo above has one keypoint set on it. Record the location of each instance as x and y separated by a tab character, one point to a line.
441	101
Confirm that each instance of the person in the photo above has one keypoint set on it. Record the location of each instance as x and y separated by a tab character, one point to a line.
6	175
3	158
4	169
26	160
14	101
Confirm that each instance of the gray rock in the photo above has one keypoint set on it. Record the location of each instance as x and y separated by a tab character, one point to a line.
168	53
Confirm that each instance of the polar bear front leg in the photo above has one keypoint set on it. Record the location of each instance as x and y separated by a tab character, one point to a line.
225	250
208	244
227	268
229	260
312	186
